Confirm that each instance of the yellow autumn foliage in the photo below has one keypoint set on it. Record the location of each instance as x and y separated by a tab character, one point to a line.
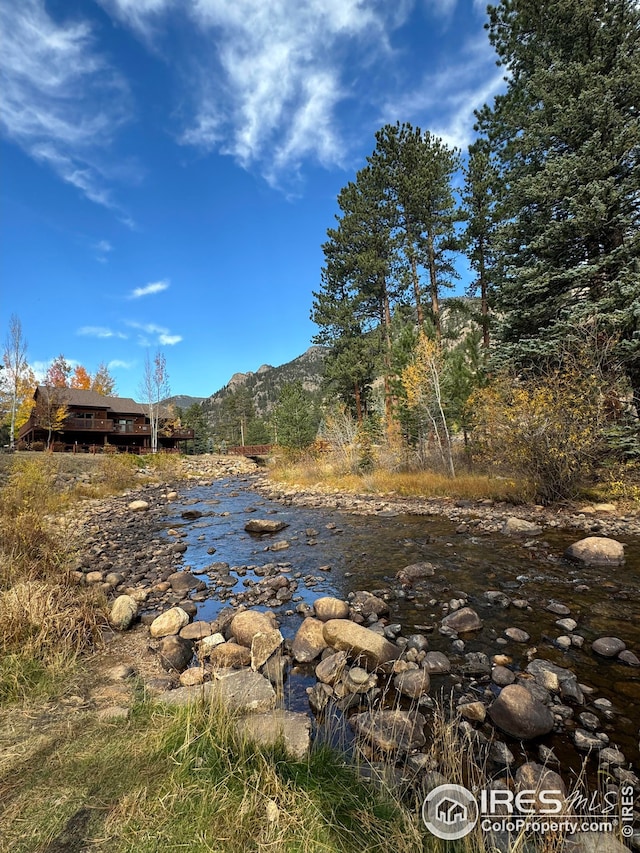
547	429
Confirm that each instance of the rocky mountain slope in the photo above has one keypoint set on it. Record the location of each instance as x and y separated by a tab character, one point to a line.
264	386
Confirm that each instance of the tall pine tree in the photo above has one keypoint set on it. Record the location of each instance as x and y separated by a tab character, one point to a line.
566	134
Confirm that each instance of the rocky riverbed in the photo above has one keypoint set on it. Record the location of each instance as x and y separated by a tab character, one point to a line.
373	608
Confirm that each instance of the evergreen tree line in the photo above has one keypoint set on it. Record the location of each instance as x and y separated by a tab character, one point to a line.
547	217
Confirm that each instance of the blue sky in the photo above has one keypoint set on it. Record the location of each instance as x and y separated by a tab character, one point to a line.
169	167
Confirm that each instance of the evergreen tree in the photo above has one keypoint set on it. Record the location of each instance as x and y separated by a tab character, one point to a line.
295	419
566	135
361	279
416	172
479	206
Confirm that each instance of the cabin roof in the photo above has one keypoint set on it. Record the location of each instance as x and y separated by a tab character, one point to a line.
93	400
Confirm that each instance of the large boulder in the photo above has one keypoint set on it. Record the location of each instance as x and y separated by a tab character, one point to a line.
461	621
239	690
138	506
596	551
330	608
123	612
244	626
169	622
309	642
264	525
519	714
291	728
230	655
359	642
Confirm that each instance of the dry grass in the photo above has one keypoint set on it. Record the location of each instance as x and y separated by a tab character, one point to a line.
323	474
46	623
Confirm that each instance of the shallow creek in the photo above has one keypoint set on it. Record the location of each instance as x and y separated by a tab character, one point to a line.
365	552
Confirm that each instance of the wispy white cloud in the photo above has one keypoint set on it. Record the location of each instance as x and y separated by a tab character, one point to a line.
62	102
100	332
149	289
40	368
118	364
152	333
169	340
103	249
267	88
445	109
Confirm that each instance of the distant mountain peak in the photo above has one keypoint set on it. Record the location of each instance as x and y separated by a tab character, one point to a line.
265	384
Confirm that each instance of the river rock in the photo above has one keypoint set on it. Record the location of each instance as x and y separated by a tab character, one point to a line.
517	635
368	604
476	712
502	676
629	658
534	777
596	551
330	608
358	680
123	612
557	679
169	622
196	631
243	690
175	653
292	729
514	526
245	625
191	514
309	641
415	572
359	642
237	690
461	621
191	676
230	655
518	714
608	647
330	669
265	525
412	683
138	506
437	663
587	741
390	730
264	645
207	644
183	582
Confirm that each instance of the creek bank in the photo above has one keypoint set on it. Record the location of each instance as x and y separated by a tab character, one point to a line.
486	517
133	554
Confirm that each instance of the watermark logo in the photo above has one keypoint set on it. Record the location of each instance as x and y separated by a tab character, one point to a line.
450	812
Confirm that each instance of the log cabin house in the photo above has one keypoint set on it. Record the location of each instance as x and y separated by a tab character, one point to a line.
94	422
